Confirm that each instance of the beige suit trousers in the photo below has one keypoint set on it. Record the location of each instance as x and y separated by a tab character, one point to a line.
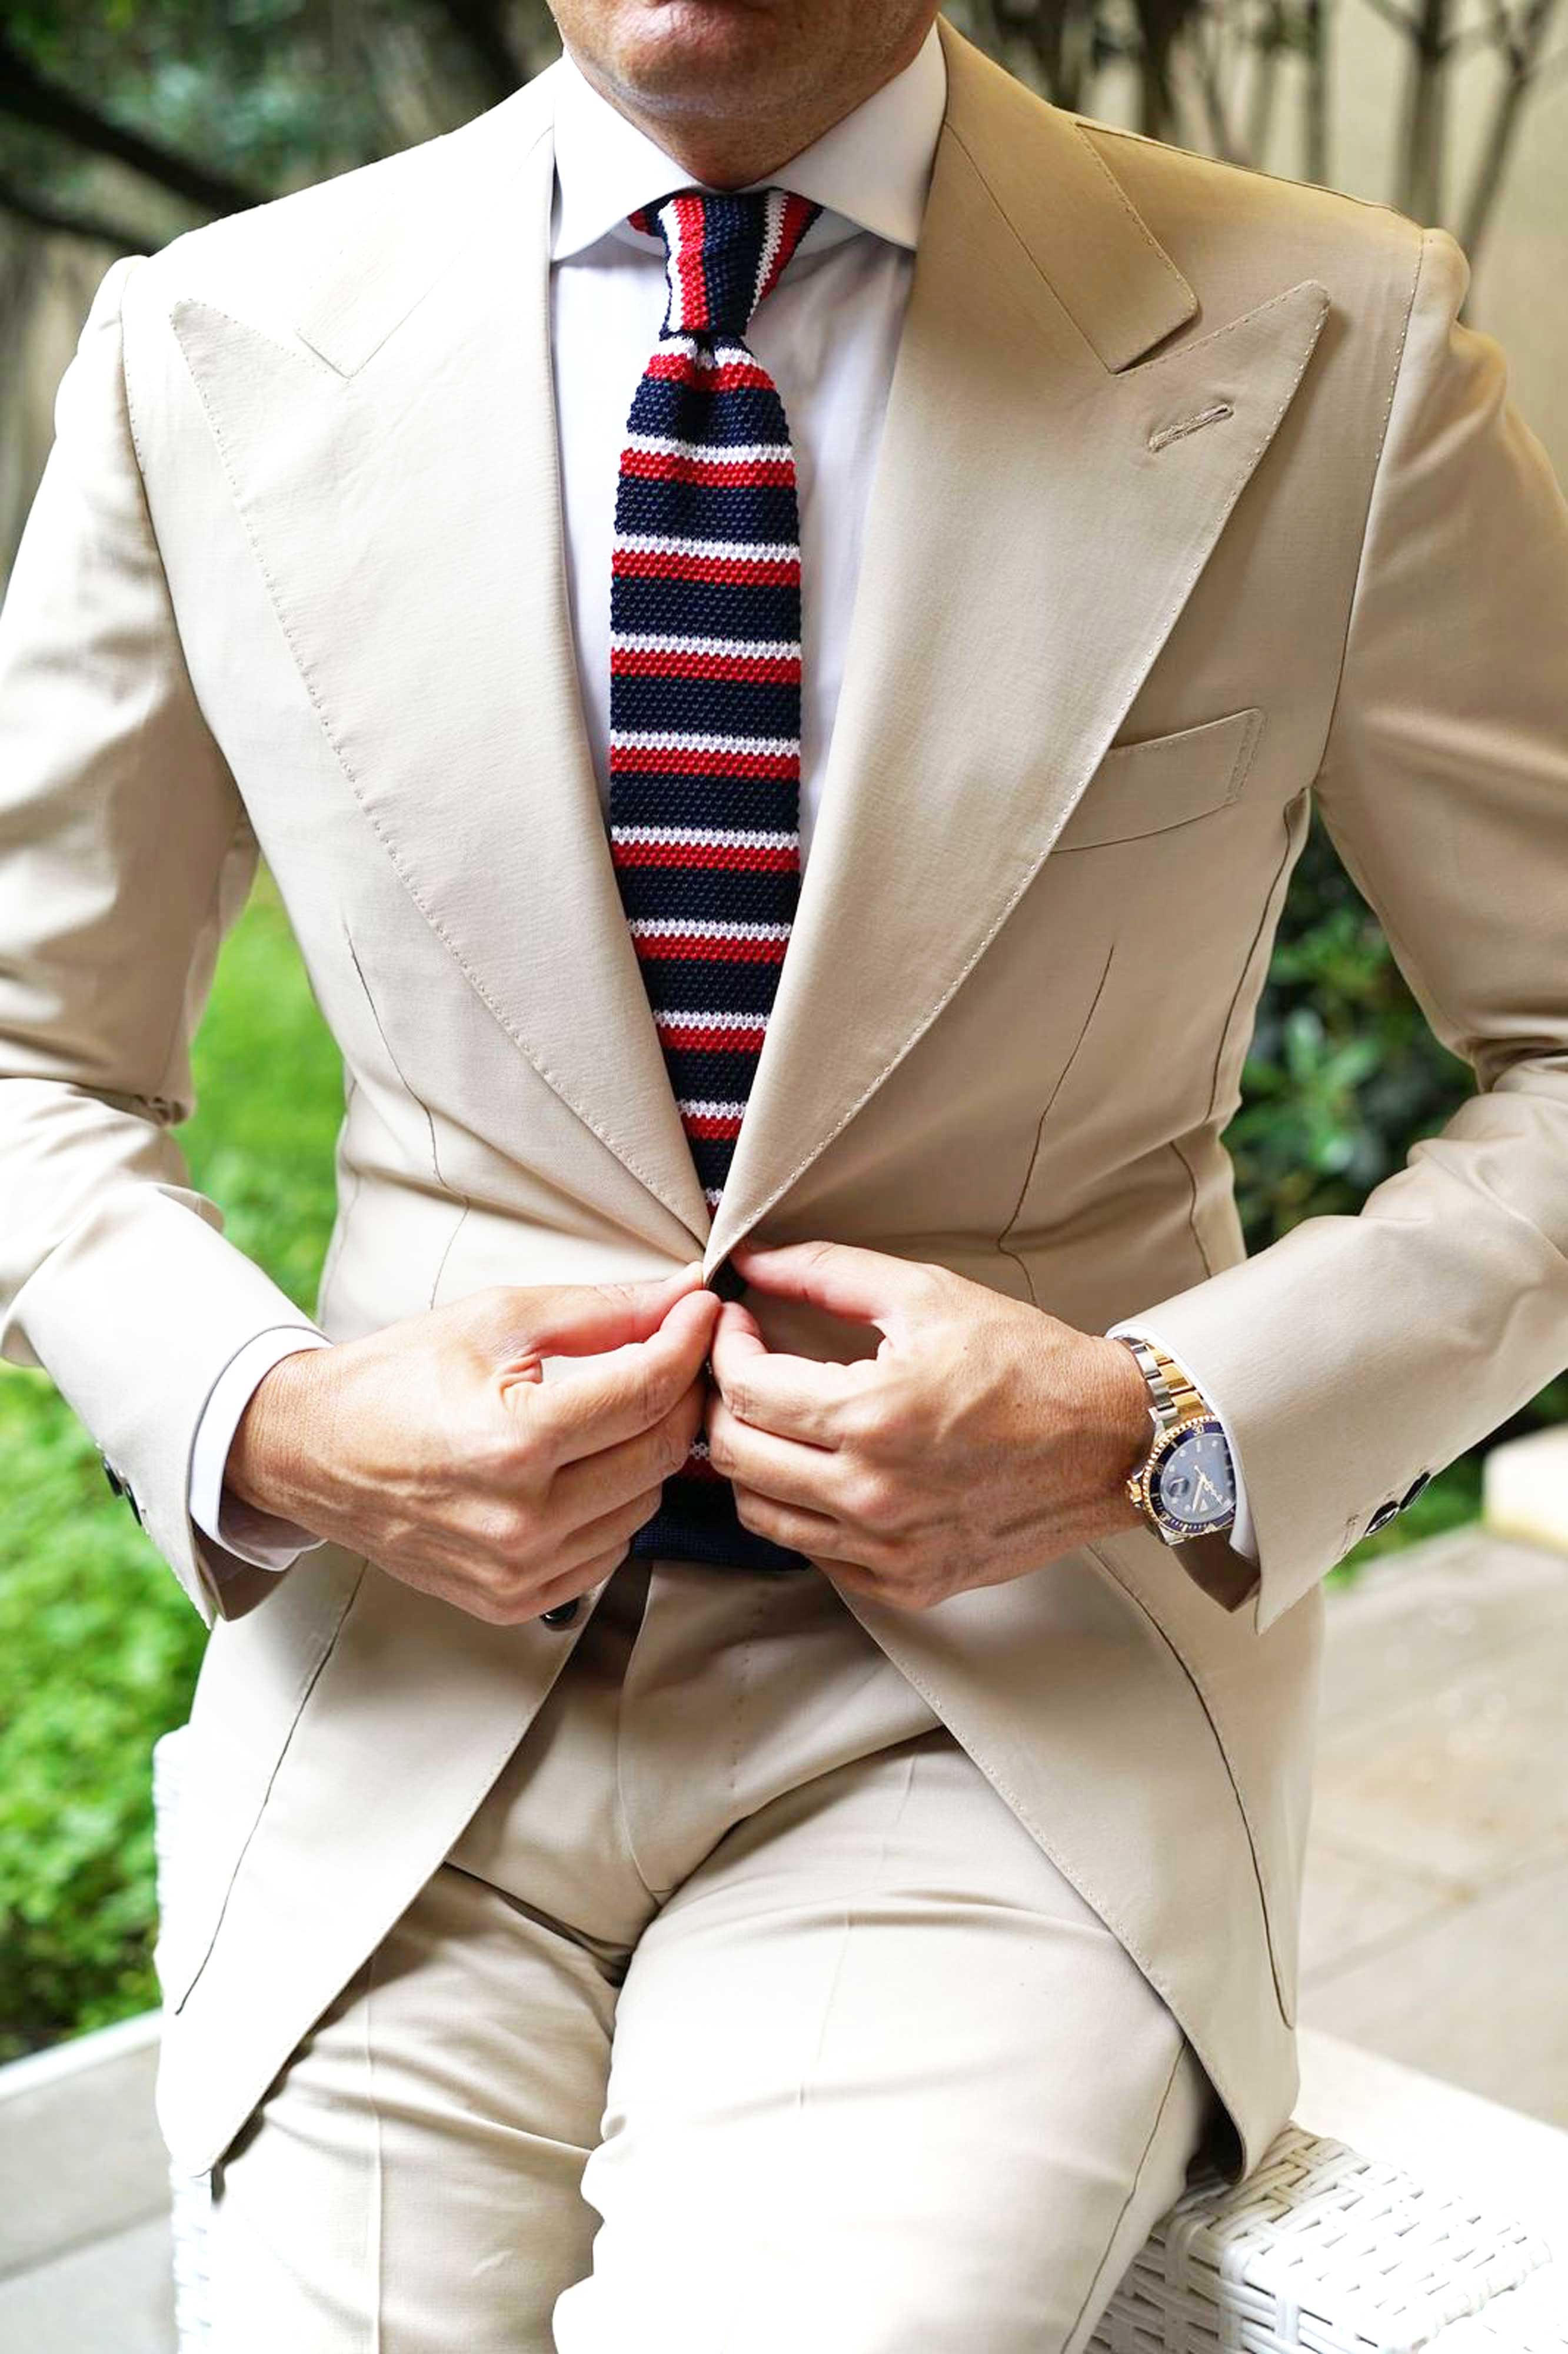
744	2016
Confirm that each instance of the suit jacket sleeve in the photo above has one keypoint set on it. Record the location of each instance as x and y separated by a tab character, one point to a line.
125	855
1358	1352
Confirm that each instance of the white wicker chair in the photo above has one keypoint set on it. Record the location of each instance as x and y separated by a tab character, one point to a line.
1319	2251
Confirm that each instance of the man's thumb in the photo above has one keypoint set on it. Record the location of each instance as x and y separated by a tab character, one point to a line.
581	1319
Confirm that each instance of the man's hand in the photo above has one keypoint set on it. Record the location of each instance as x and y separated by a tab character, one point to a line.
436	1446
983	1438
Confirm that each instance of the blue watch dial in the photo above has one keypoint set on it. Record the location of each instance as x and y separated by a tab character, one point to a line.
1195	1485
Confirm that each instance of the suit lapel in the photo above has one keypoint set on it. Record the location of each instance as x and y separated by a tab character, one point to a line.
1030	542
399	480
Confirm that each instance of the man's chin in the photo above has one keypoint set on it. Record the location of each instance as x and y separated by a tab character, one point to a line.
699	57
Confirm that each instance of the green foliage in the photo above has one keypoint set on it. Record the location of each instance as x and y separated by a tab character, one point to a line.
1344	1075
266	91
99	1647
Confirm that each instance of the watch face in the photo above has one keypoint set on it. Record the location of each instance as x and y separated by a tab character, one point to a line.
1195	1486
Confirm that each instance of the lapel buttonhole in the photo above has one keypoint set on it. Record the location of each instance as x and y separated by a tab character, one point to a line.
1190	424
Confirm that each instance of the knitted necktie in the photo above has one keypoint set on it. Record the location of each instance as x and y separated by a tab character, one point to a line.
705	714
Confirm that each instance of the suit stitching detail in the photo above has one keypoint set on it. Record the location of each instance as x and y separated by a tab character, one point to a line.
1094	128
1190	343
1168	433
1001	1244
398	868
312	364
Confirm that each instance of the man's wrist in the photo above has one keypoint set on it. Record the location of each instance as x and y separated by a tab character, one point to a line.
1125	1428
276	1440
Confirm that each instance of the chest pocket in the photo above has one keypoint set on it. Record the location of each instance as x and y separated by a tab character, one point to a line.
1163	781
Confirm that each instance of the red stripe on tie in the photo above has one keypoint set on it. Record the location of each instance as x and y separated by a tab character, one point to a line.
765	670
712	1125
689	213
671	466
730	375
740	571
705	857
703	946
697	1467
679	760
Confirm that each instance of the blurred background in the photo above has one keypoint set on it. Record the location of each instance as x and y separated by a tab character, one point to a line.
124	121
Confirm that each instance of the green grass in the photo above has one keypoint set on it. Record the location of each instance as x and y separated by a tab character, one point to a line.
98	1649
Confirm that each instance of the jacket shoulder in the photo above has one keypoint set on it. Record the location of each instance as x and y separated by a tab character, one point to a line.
1237	233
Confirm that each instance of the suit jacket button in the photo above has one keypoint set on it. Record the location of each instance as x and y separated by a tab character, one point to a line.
1422	1479
1382	1517
563	1614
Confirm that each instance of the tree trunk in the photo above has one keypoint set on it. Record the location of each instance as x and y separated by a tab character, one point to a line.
1314	158
1425	127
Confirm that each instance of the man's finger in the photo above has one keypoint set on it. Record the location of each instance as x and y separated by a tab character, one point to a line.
785	1469
583	1319
597	1404
799	1397
844	1277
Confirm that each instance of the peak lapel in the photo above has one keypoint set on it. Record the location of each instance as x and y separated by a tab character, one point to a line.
1000	631
399	480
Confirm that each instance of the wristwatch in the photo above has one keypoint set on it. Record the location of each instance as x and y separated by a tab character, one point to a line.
1186	1486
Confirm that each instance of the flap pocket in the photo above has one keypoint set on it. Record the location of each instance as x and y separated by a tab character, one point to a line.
1164	781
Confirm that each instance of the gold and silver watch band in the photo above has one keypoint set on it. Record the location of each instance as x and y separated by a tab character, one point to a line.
1174	1397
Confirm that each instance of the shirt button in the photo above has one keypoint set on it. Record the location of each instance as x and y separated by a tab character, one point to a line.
563	1614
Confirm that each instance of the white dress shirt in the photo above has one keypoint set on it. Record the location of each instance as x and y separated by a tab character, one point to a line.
827	334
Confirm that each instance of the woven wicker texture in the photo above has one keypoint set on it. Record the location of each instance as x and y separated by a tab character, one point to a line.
1318	2250
1323	2250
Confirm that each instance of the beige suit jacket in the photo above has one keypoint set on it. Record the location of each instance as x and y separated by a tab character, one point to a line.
1193	501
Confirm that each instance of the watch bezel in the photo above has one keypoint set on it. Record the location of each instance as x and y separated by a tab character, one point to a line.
1144	1486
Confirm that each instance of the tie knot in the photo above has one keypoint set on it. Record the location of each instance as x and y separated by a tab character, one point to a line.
724	250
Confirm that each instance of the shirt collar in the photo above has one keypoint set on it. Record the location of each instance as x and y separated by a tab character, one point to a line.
869	170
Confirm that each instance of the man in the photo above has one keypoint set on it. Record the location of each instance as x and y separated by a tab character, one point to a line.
715	1821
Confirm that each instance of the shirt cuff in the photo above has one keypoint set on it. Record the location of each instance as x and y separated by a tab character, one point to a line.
1240	1533
238	1528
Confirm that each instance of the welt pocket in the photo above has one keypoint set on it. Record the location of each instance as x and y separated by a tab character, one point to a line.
1162	781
